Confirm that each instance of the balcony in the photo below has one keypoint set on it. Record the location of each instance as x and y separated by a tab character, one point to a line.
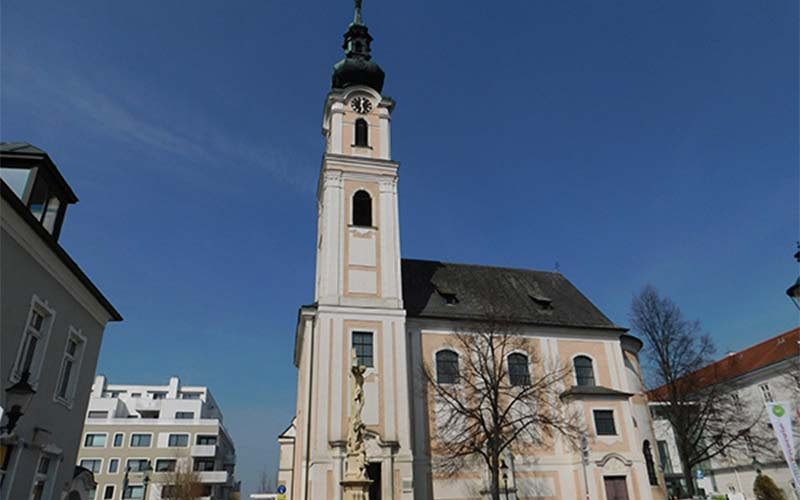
213	476
204	450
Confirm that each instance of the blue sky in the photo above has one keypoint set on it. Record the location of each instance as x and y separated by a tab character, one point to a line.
632	142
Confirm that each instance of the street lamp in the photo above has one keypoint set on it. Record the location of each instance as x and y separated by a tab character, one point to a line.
504	468
18	396
794	291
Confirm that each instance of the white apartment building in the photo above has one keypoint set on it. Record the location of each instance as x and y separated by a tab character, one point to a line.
137	439
764	373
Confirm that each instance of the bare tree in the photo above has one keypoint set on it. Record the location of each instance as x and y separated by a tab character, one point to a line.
482	410
182	483
700	404
265	483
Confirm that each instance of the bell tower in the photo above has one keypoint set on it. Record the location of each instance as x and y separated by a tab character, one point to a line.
358	261
358	292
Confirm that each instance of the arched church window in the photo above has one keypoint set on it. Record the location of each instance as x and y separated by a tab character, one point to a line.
447	367
518	372
361	133
648	460
362	209
584	373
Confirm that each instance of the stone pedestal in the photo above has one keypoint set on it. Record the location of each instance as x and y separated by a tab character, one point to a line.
356	489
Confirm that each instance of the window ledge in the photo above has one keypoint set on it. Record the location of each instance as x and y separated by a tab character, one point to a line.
66	403
356	146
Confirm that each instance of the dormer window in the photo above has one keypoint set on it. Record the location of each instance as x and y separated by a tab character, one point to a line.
449	296
30	174
544	303
361	133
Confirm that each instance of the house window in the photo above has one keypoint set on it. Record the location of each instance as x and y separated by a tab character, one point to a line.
190	395
97	414
604	423
362	209
159	395
648	460
165	465
133	492
203	464
361	133
108	493
518	372
70	366
206	439
33	342
663	453
362	343
45	470
584	373
140	440
93	464
766	393
180	440
138	464
6	452
113	466
118	440
95	441
447	367
184	415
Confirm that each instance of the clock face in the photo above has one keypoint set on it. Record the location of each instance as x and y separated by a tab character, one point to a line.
361	105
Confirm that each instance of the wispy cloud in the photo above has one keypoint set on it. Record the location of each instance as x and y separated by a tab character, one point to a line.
116	112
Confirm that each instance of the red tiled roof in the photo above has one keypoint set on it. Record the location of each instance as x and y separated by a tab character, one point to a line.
759	356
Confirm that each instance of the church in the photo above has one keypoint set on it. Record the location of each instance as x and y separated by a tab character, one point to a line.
401	315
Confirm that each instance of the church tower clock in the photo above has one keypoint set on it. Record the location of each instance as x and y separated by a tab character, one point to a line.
358	293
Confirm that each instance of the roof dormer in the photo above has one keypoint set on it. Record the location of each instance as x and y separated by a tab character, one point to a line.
33	177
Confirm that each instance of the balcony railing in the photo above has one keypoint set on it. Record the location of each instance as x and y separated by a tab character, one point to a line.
213	476
204	450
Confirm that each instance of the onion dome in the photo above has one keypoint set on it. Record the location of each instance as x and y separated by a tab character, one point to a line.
357	67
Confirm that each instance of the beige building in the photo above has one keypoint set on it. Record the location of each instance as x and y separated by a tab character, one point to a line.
52	322
138	437
401	314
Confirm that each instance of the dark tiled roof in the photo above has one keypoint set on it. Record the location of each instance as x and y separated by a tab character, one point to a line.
527	296
761	355
20	147
594	390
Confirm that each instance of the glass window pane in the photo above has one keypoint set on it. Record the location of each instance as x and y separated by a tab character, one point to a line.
16	178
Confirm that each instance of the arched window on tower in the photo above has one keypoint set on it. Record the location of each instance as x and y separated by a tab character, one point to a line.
584	373
361	133
518	372
447	367
362	209
648	460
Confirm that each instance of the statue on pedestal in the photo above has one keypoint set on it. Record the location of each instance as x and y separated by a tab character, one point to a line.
356	483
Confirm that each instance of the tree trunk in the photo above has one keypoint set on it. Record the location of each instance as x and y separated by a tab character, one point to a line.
495	479
687	472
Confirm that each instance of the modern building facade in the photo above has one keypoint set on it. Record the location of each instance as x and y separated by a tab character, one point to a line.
52	320
140	439
764	373
401	314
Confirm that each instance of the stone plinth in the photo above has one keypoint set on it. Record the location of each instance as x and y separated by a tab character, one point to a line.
356	489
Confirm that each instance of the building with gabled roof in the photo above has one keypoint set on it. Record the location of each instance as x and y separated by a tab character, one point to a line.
763	373
52	322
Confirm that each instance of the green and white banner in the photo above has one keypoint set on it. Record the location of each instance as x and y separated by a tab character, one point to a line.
780	416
